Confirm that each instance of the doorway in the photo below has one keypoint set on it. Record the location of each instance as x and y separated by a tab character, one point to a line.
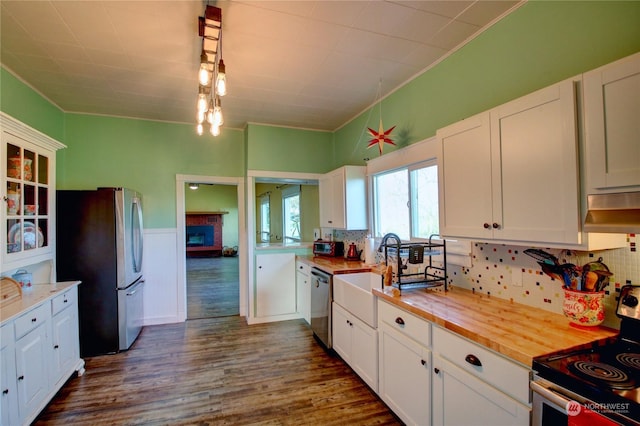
209	240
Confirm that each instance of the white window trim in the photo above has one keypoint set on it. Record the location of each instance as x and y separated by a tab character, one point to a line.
458	251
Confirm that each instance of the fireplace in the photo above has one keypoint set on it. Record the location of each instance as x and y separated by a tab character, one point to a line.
200	235
204	233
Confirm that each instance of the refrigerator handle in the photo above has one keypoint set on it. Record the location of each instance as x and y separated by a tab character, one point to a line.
137	230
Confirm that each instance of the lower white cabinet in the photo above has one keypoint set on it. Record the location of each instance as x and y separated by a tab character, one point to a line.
64	335
303	291
275	285
32	362
459	398
404	364
357	343
40	351
494	390
9	396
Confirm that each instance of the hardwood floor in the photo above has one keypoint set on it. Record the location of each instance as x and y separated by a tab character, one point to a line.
218	371
213	287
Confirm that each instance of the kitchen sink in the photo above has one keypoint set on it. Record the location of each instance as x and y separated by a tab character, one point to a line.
353	292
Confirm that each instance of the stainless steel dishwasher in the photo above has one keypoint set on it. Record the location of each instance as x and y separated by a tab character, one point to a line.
321	298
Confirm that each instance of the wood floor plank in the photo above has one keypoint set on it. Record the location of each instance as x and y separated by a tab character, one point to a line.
218	371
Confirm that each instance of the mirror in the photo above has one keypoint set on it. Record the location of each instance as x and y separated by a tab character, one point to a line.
286	211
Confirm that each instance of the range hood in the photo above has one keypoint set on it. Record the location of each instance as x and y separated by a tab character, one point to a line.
614	213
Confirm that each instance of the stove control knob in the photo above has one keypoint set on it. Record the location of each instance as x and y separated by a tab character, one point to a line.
630	301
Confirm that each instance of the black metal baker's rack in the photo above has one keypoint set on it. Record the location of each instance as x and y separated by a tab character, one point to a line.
416	252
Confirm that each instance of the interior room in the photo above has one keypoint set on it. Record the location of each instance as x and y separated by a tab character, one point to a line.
320	212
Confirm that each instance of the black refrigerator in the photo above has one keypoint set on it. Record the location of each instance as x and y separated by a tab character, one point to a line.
100	242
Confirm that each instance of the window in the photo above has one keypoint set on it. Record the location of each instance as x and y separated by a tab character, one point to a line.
291	213
406	201
265	212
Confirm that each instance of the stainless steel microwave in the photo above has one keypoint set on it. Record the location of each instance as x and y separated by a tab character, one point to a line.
328	248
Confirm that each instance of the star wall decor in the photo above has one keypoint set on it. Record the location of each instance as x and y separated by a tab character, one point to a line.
380	137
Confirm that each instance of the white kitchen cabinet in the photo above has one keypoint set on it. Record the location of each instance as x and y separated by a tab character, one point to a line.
65	335
27	169
357	344
612	128
40	350
511	174
495	390
343	202
461	399
9	396
404	364
275	284
303	294
32	359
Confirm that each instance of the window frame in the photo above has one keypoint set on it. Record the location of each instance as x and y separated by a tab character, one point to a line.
431	162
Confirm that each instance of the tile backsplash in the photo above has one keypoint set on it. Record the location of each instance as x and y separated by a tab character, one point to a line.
507	272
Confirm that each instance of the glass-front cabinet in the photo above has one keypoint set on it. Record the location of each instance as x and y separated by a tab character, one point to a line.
28	214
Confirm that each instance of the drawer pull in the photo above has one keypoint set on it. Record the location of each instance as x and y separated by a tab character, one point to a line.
34	319
65	301
473	360
399	321
21	378
56	346
436	370
423	362
6	391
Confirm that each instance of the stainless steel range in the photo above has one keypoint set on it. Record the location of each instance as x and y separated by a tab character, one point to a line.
596	384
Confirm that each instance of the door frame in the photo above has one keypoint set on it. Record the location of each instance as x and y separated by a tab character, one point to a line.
239	183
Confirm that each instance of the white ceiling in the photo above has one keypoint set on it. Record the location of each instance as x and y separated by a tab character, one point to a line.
308	64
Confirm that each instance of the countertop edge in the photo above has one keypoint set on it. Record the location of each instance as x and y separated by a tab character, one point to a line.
40	293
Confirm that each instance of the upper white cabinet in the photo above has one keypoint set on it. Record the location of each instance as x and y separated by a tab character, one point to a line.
27	161
612	126
511	173
343	200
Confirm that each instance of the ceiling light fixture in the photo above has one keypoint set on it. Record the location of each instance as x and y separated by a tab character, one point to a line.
212	72
194	186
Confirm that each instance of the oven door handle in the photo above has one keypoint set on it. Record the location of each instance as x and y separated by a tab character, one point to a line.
549	395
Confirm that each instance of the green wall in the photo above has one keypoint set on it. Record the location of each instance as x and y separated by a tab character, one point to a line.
539	44
28	106
289	150
144	155
216	198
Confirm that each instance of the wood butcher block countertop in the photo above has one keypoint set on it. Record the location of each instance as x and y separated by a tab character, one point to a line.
335	265
518	331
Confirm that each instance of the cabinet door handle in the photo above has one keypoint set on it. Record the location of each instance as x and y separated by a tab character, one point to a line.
486	225
495	225
56	346
423	362
436	370
20	377
473	360
6	391
65	301
399	321
34	319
